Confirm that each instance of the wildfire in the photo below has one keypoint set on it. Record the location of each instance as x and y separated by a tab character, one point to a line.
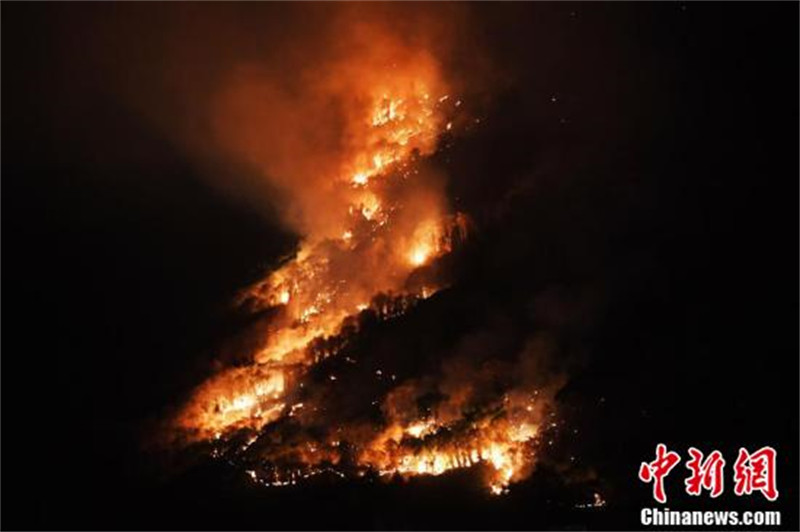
242	397
330	278
386	221
501	441
505	457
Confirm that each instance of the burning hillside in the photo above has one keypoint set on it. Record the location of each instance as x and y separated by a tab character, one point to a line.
373	219
395	265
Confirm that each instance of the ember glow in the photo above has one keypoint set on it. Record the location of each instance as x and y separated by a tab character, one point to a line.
372	219
424	447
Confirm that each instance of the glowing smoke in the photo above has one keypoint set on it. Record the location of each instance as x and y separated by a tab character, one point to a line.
343	141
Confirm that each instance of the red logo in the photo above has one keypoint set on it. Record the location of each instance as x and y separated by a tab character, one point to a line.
756	472
752	472
706	474
659	468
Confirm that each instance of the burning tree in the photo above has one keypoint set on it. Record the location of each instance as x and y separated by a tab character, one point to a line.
372	220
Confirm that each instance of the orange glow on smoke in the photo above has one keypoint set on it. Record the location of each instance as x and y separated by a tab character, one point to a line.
368	219
378	242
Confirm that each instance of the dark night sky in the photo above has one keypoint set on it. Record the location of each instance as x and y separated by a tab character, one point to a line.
658	193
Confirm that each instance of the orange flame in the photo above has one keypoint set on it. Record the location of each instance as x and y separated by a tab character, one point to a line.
370	219
386	232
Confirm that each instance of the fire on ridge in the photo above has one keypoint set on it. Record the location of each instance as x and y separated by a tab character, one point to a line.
388	221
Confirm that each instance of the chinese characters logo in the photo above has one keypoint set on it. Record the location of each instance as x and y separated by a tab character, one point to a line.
752	472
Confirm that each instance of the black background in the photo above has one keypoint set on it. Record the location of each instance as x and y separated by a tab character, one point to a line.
663	177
